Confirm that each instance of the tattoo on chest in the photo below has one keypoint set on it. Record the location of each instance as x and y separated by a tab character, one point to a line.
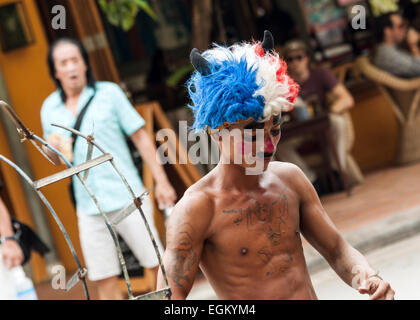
264	217
271	219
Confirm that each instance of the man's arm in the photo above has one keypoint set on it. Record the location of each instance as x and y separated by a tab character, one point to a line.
185	235
165	193
12	254
321	233
343	100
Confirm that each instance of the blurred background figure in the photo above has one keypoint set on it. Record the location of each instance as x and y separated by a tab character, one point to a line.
392	32
287	150
319	85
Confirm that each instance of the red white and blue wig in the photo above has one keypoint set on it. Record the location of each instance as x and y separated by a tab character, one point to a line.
246	80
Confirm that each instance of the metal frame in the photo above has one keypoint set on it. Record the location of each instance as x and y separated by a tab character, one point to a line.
71	170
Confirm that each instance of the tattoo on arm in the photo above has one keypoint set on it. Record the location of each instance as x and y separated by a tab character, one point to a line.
183	256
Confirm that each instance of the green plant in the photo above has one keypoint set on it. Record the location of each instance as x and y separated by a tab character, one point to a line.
178	75
122	13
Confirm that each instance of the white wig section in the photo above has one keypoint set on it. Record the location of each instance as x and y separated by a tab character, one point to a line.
275	92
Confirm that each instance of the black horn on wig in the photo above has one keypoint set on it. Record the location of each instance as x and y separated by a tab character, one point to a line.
268	42
199	62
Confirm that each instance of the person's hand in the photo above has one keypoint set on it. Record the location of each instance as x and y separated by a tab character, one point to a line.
377	289
54	140
165	194
61	144
413	38
12	255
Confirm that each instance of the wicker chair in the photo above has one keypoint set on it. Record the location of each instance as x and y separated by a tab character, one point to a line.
404	98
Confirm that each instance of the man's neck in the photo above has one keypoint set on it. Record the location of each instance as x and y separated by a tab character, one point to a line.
73	94
302	76
72	99
235	177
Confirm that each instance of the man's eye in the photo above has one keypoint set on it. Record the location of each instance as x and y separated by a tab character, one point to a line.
275	132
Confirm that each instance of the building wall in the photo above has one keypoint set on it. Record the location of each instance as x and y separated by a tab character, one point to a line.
28	84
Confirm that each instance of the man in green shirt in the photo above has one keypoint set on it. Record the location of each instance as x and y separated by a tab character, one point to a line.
111	117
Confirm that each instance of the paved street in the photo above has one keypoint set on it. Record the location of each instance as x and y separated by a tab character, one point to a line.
398	263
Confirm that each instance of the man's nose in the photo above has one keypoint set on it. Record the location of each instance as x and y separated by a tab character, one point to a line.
71	66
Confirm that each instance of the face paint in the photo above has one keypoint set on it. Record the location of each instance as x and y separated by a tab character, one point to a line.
269	146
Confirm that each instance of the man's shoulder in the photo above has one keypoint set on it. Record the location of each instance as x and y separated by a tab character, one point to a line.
197	197
388	58
291	176
286	171
384	51
51	101
107	86
283	167
195	206
382	47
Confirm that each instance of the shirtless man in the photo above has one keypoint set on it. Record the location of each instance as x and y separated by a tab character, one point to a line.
243	230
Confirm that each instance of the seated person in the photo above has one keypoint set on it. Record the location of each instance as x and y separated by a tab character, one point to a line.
316	84
389	56
286	150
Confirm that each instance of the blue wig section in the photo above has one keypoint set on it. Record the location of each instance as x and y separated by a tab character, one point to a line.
225	95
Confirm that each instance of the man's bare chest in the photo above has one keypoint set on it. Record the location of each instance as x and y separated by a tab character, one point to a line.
256	222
